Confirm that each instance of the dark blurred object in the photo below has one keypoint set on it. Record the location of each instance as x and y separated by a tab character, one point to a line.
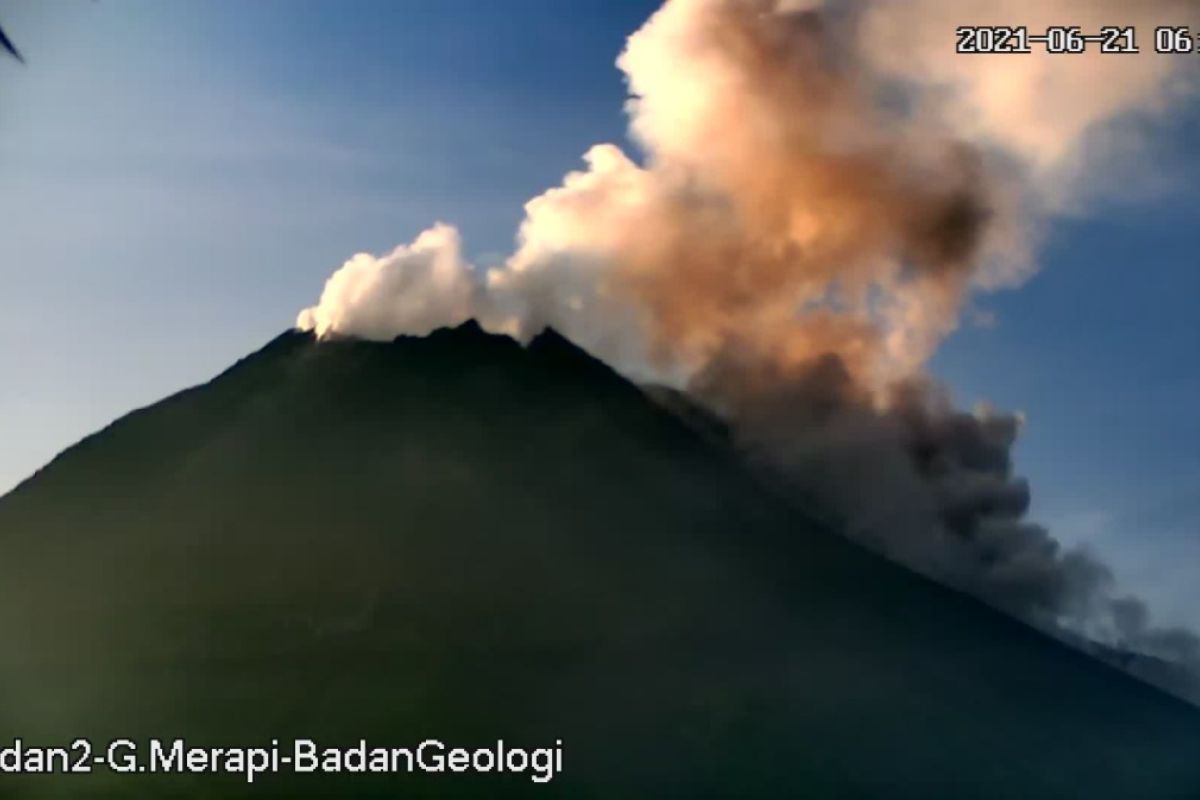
7	44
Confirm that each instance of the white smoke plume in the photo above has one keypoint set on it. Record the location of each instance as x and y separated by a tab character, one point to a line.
824	185
415	288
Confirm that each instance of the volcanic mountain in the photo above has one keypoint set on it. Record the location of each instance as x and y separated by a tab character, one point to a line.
458	537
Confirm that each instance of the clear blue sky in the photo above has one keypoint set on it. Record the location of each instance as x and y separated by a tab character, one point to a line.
178	179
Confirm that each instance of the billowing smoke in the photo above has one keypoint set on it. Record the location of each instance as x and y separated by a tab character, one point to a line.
413	289
824	188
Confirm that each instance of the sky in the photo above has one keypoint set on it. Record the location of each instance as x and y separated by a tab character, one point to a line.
178	179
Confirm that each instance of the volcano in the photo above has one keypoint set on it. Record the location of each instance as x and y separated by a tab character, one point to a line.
462	538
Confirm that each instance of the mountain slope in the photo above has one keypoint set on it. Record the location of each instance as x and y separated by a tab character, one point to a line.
457	537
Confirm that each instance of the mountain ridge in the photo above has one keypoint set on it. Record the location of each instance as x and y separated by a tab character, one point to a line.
458	531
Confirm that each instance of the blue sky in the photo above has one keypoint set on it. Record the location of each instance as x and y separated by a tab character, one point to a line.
178	179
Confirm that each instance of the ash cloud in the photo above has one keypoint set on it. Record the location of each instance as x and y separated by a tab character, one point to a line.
932	487
824	188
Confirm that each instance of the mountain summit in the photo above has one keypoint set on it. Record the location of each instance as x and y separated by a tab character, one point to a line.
457	537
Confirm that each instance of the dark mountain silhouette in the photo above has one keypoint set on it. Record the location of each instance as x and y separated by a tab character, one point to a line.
461	538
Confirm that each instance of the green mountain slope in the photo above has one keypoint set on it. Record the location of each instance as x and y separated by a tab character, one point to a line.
459	538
